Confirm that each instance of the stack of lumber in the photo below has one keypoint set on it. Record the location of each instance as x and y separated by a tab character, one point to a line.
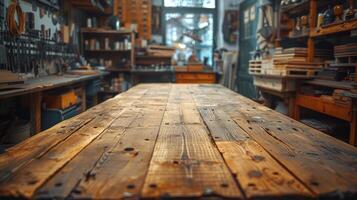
337	72
346	53
9	78
341	99
159	50
290	62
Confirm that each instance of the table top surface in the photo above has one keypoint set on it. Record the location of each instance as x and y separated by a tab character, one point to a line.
187	141
45	83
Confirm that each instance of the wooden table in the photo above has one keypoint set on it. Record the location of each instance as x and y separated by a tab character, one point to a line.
167	140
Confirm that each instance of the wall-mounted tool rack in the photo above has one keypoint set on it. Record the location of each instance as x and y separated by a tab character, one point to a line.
28	52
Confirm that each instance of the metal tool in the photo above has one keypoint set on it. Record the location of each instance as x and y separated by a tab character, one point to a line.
3	57
2	14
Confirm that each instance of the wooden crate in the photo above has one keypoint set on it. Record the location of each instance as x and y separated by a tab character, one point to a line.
255	67
279	84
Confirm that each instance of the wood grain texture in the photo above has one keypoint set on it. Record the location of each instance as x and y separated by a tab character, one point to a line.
192	167
180	141
258	174
30	173
185	162
323	164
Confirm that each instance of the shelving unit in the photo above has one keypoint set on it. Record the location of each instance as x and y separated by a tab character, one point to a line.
334	28
93	6
135	12
321	104
112	54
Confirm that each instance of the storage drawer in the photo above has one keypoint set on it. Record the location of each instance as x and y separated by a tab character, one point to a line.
61	101
195	78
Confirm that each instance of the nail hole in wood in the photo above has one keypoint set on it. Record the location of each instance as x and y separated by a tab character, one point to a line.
129	149
295	129
77	191
251	185
224	185
250	128
59	184
95	127
216	137
147	139
176	162
280	129
130	186
314	183
153	185
32	182
275	173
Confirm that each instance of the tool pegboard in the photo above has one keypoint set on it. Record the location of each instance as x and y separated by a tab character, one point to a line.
31	51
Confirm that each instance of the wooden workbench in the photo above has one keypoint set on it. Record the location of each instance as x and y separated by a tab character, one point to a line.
35	87
166	140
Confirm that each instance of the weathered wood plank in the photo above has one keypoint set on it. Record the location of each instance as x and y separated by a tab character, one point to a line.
34	171
120	170
322	163
258	174
26	180
21	154
79	168
185	162
121	174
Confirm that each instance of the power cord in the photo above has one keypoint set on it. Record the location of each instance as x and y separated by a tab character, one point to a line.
15	28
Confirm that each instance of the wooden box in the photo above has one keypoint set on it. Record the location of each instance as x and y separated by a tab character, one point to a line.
61	101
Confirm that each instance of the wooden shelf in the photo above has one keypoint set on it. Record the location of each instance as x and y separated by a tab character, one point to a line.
296	8
319	105
118	69
335	28
344	85
107	51
92	6
104	31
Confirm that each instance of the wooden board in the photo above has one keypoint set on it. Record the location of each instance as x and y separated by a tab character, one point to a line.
179	141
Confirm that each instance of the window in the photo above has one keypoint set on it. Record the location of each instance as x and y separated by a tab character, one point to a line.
190	3
191	32
189	26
